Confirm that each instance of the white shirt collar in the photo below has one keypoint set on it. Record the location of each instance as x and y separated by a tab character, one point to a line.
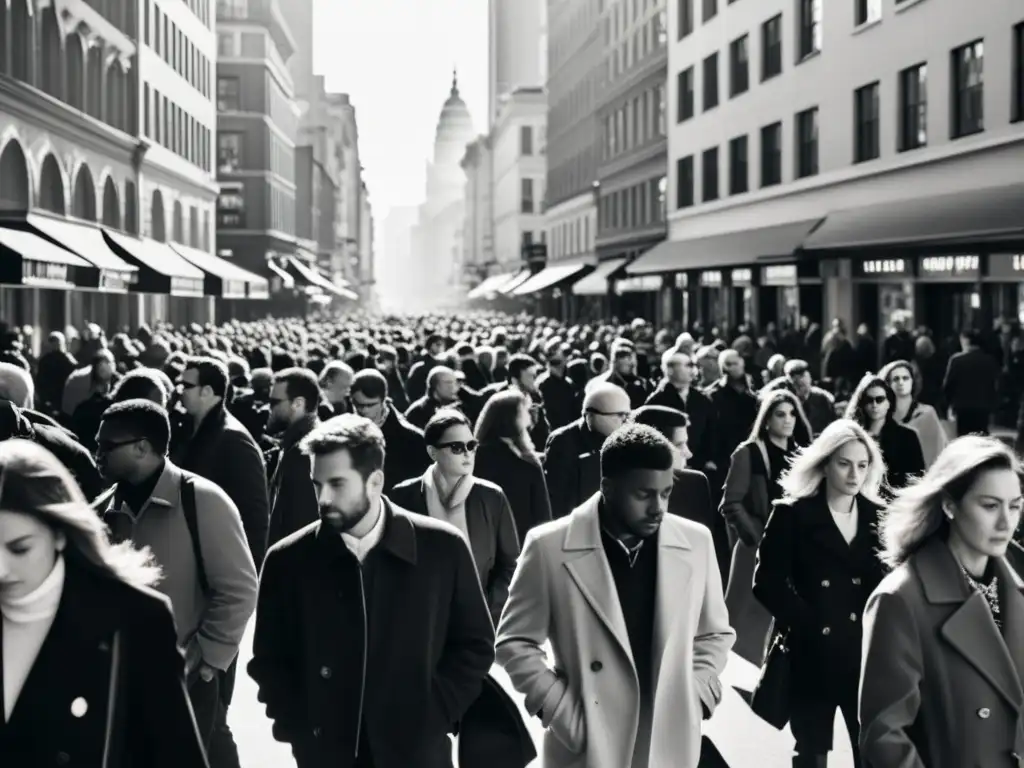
361	547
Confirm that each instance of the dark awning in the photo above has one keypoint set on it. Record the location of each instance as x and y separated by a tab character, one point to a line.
977	214
161	268
31	260
551	276
224	279
115	275
730	249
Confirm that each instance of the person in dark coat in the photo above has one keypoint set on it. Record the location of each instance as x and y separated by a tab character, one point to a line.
294	400
622	373
373	638
442	392
676	391
506	456
92	673
816	567
557	389
406	454
735	410
387	364
55	365
572	458
969	387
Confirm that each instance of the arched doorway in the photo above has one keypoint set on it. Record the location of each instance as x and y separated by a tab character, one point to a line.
157	214
94	81
21	40
15	188
111	205
52	54
51	187
131	208
75	64
179	223
83	201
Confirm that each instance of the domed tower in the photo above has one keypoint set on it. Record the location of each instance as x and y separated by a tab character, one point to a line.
445	179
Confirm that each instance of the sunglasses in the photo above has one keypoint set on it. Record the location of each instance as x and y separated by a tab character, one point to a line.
459	448
875	400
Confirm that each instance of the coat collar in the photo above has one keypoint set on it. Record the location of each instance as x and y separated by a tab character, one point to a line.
166	493
970	630
398	539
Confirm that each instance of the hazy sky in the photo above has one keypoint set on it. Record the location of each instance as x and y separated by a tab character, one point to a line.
395	58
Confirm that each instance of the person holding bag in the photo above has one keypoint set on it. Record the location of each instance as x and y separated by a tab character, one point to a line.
816	566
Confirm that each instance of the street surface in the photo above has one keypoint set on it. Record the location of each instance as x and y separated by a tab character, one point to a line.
743	739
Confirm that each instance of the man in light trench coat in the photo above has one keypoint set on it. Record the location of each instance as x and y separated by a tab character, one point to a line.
630	599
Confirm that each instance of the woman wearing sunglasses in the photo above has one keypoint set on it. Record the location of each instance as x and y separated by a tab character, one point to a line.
872	405
448	491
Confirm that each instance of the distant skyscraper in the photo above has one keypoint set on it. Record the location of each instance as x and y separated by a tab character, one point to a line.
517	46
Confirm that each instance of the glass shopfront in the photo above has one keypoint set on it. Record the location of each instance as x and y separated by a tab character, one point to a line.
1004	287
779	296
884	293
714	310
950	293
741	291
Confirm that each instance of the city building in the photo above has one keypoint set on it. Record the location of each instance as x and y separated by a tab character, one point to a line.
347	266
437	237
517	49
395	262
804	186
575	49
477	230
367	265
105	167
632	147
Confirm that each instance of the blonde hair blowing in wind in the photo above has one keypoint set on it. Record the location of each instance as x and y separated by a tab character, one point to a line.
807	470
915	514
33	482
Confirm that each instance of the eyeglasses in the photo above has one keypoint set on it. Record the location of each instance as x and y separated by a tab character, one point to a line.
106	446
617	414
878	400
459	448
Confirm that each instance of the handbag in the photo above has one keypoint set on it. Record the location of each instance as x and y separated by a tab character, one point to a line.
770	700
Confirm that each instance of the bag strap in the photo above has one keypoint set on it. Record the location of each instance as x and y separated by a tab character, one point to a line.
114	705
188	509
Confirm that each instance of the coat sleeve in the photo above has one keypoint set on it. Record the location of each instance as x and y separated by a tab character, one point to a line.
737	485
890	688
559	472
469	644
540	501
773	572
505	559
231	574
714	637
276	664
296	505
246	485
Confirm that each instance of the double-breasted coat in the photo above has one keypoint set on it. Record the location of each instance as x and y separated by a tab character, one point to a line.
109	680
564	593
940	684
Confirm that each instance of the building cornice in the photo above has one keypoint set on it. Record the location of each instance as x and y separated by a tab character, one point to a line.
654	68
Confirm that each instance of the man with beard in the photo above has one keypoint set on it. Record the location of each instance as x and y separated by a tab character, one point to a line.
294	401
372	635
630	599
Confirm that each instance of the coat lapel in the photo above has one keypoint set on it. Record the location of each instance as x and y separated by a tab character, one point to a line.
675	571
590	571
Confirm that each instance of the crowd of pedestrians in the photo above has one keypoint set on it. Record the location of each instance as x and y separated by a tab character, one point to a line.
606	511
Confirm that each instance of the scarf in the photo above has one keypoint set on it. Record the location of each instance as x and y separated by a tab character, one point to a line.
448	504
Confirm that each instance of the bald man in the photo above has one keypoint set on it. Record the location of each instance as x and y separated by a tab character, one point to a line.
572	454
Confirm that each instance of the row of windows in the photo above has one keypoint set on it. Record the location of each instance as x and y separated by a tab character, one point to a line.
175	129
636	207
634	124
200	9
578	103
573	175
625	14
570	31
636	47
177	50
571	237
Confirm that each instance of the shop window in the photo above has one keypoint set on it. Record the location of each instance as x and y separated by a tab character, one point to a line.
709	175
739	66
913	108
807	143
771	155
711	82
684	95
771	48
968	71
866	123
739	173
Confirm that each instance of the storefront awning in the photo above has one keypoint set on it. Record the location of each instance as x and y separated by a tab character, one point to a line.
115	275
551	276
161	268
973	214
224	279
730	249
490	285
311	277
30	260
287	281
596	283
507	288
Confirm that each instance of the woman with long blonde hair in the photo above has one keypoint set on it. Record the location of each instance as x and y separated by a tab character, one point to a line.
91	670
942	682
816	567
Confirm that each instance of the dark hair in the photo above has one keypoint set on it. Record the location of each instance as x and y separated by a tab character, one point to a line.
356	434
519	363
300	382
371	383
211	372
141	418
141	384
443	420
662	418
635	446
855	406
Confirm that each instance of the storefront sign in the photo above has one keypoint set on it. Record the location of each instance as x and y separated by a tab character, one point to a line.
883	267
259	291
779	275
116	281
962	267
44	274
1006	265
186	286
711	279
638	284
742	278
682	280
233	289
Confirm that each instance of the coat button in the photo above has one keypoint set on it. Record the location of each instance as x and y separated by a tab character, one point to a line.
325	673
984	712
825	583
853	617
856	580
826	631
316	732
63	758
596	666
79	707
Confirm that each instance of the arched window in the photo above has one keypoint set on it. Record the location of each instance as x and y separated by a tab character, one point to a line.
75	64
179	224
51	187
15	188
193	227
131	208
111	205
94	80
157	221
83	202
51	55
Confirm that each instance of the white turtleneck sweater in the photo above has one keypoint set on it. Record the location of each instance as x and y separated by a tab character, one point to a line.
26	622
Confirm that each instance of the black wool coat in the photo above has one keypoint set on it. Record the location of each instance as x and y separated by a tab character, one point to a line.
522	481
405	453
